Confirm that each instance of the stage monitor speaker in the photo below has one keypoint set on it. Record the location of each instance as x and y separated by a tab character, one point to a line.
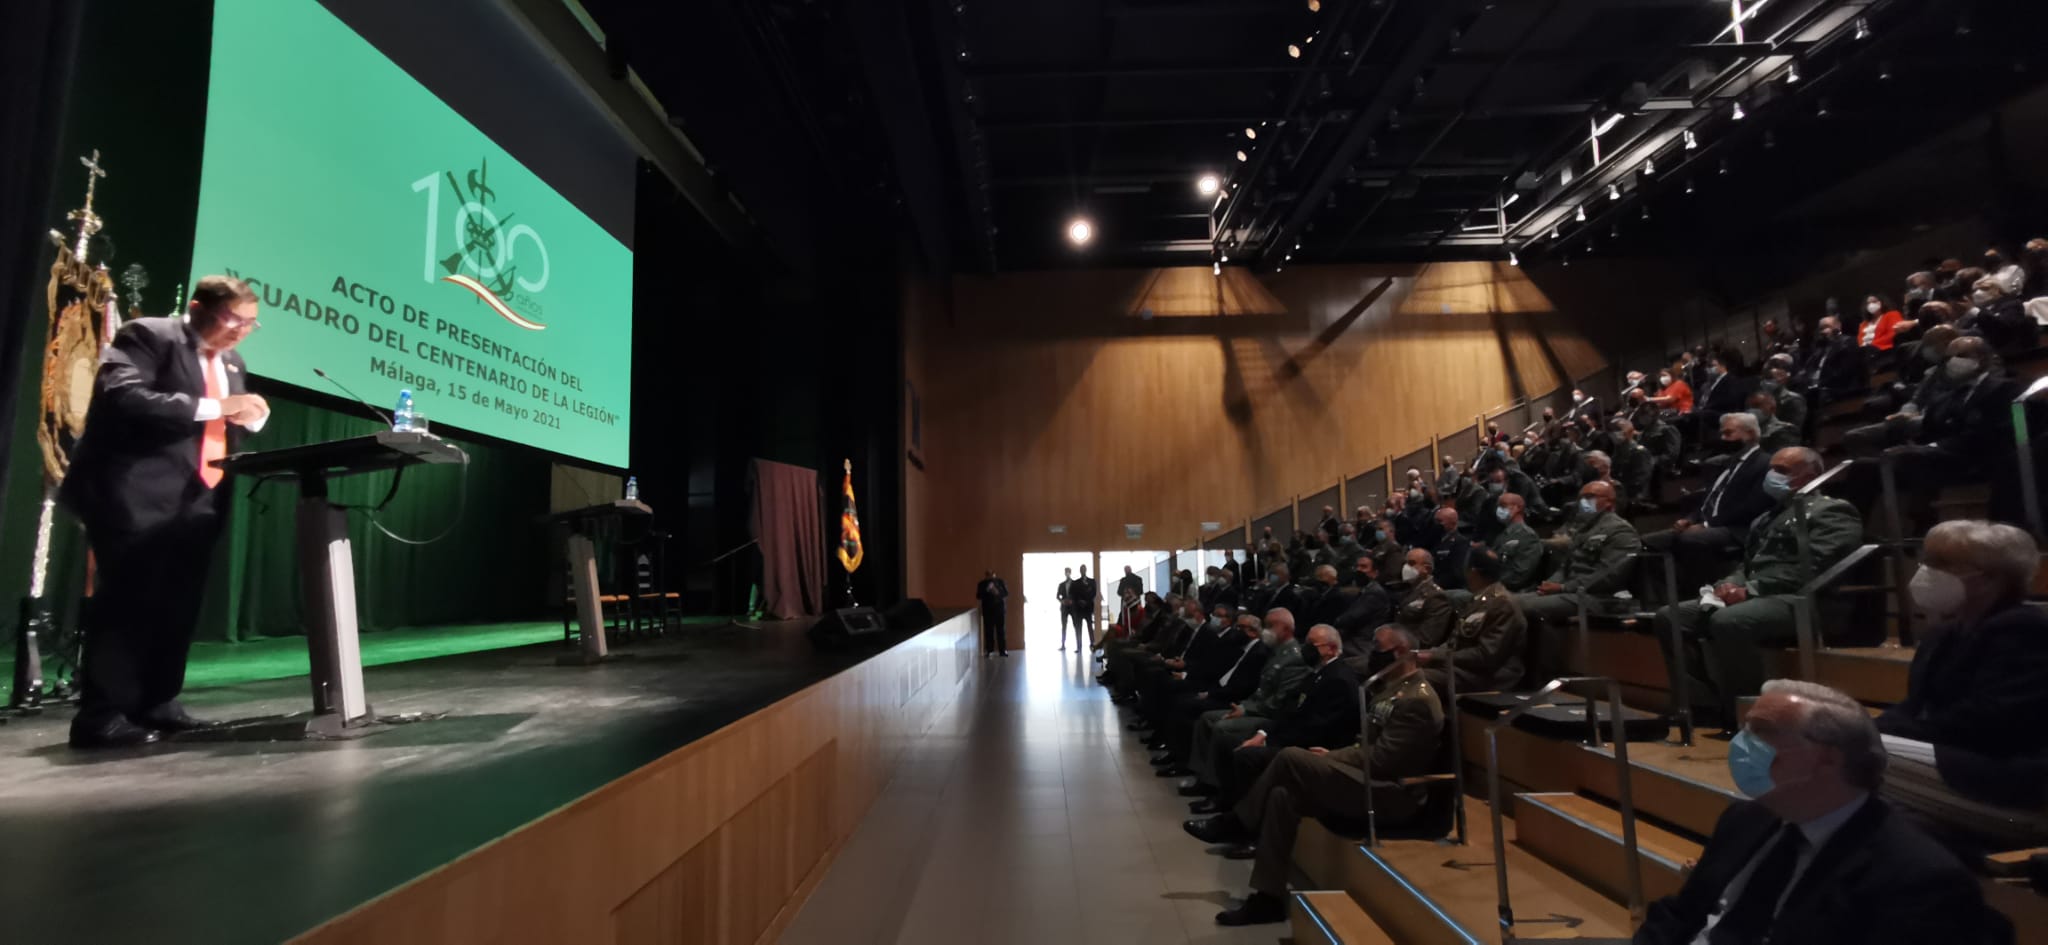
846	623
911	614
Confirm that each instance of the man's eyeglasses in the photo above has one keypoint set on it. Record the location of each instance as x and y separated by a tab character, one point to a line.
236	323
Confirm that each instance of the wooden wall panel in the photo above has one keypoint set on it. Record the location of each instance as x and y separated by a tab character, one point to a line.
719	841
1055	399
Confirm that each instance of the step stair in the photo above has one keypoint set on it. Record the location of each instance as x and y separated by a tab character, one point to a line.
1423	892
1583	837
1687	787
1332	917
1875	675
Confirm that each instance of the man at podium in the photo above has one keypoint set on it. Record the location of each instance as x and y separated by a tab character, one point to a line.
169	399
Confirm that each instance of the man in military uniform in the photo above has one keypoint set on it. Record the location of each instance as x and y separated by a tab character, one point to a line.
1520	550
1776	434
1724	643
1365	610
1592	566
1406	736
1387	552
1427	611
1280	684
1634	467
1486	648
1217	737
1347	549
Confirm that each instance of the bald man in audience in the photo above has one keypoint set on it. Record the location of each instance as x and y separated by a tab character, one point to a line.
1485	649
1519	547
1427	612
1726	631
1595	566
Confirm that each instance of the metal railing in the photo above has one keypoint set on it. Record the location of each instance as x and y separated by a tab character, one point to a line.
1584	599
1803	618
2031	501
1681	676
1624	792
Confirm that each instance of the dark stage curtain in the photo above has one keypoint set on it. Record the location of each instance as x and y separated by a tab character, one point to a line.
38	44
786	521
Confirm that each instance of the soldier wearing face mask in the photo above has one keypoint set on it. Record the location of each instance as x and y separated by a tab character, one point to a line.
1960	410
1426	612
1592	565
1776	381
1727	629
1978	686
1775	434
1387	551
1519	549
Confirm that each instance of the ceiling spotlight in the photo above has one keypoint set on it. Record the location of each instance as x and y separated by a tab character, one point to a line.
1580	215
1692	141
1862	28
1293	51
1613	192
1513	260
1792	74
1770	140
1688	186
1511	200
1739	113
1224	258
1208	185
1242	157
1080	231
1553	232
1615	231
1646	212
1287	258
1567	260
1251	133
1724	166
1822	110
1649	168
1884	69
1216	268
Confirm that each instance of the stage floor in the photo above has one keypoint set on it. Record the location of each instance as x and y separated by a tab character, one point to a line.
228	842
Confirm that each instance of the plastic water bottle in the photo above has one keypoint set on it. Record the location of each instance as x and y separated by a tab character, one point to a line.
401	419
632	488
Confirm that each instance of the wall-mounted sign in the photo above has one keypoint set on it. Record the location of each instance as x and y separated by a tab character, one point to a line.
1210	527
1134	532
1056	529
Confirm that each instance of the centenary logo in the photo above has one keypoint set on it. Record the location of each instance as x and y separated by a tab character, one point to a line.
502	262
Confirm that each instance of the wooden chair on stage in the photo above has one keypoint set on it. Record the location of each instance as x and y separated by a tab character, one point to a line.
617	610
654	605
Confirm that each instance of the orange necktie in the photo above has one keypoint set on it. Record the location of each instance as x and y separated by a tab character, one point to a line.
213	444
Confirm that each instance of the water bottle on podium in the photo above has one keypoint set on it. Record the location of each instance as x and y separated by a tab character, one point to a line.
401	419
632	488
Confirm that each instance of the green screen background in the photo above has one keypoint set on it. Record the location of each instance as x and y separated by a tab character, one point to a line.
315	143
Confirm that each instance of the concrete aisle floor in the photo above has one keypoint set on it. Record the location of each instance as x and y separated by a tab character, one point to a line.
1028	815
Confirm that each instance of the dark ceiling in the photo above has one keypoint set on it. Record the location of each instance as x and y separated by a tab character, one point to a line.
1403	129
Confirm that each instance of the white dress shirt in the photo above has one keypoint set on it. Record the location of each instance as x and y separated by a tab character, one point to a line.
1247	651
1817	831
215	368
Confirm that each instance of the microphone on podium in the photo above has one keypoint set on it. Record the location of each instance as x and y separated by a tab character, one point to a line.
358	398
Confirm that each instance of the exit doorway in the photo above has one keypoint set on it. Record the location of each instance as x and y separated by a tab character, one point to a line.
1041	576
1144	564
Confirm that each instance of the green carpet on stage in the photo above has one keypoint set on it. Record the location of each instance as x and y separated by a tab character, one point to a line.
231	664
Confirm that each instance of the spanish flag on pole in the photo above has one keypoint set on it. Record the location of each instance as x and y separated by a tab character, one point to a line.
849	526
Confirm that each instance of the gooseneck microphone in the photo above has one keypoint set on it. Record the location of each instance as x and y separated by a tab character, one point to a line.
358	398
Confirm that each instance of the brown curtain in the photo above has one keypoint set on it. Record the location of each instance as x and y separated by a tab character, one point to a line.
787	522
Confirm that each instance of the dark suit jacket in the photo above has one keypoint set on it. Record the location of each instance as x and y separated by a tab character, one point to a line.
1451	553
1878	881
1981	690
1973	422
1743	497
1328	714
137	464
993	594
1837	367
1245	681
1321	605
1371	608
1212	656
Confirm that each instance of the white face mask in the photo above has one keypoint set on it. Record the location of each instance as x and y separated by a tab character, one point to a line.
1269	638
1960	367
1938	594
1588	506
1873	308
1409	574
1663	378
1982	297
1501	512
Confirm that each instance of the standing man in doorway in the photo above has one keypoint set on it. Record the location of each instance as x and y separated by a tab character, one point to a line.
1128	586
994	596
169	399
1081	597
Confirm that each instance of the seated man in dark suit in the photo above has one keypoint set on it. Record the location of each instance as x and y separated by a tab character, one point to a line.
1407	730
1282	679
1367	606
1706	541
1834	368
1727	390
1171	631
1173	719
1325	600
1324	712
1968	748
1816	858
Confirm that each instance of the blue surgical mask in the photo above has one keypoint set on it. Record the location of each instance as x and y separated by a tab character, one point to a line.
1749	762
1777	485
1587	506
1378	535
1501	512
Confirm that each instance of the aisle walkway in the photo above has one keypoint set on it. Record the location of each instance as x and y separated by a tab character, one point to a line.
1026	815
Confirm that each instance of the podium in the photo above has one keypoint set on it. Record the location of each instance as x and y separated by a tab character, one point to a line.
327	577
586	525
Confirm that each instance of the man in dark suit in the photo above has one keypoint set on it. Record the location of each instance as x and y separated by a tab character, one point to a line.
1325	715
1082	597
1365	610
994	596
1705	542
1834	368
1816	858
170	398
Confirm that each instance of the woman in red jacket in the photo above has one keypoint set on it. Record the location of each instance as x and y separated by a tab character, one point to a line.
1881	322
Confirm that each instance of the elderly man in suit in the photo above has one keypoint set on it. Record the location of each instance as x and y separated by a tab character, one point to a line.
1815	857
1702	542
170	399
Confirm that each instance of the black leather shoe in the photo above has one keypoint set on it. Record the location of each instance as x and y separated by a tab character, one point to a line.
1193	788
1258	909
1222	828
109	732
1240	851
1176	772
1206	805
172	717
1137	727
